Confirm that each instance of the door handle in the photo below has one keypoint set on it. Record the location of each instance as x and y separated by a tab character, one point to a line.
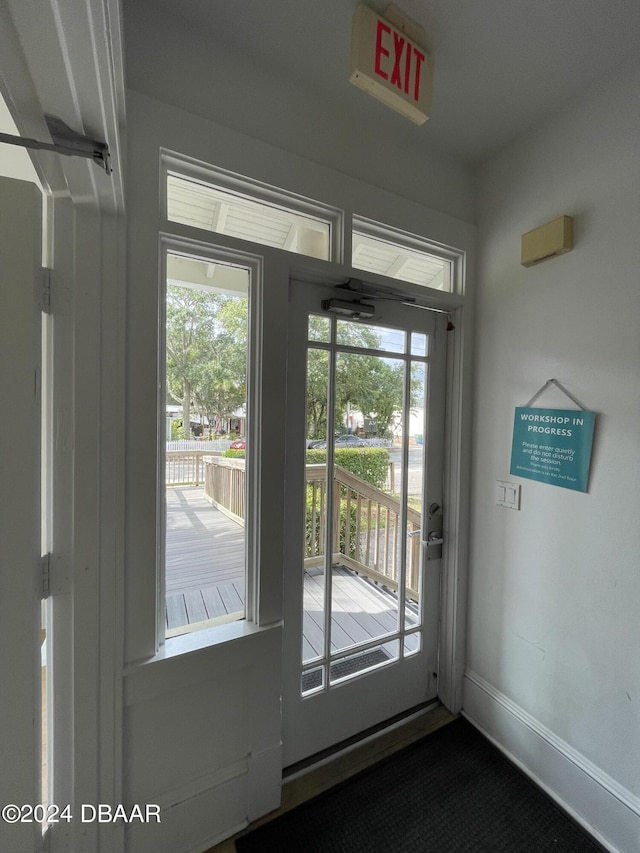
434	538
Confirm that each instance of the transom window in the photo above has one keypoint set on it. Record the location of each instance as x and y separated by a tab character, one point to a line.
267	221
384	251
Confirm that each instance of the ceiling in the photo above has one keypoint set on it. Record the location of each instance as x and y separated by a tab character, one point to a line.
500	65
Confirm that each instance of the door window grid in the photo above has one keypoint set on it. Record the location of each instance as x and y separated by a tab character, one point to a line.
332	665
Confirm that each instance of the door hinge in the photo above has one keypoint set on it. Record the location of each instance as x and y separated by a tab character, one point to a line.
45	290
45	576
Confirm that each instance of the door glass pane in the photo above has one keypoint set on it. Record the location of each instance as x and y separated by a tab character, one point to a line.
415	485
366	568
365	467
418	343
206	335
312	680
370	337
412	643
363	661
319	328
316	520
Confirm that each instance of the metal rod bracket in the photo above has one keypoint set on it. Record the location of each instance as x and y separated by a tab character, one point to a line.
67	142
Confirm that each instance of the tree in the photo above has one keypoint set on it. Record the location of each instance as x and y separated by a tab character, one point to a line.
370	384
206	346
221	386
381	396
350	373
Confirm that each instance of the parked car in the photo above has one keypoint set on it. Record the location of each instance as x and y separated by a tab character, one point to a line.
350	441
316	442
340	441
238	444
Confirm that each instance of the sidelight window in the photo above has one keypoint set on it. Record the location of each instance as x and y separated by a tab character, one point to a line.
206	450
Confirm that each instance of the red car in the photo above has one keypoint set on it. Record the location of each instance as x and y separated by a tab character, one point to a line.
238	444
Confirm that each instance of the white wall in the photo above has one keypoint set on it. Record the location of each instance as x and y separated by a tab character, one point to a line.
553	629
14	160
223	84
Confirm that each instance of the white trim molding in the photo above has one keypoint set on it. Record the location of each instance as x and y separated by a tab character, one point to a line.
604	808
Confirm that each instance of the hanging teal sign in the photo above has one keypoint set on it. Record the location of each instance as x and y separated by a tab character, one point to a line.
553	446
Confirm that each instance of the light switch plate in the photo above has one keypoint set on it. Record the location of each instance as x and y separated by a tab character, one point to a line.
508	494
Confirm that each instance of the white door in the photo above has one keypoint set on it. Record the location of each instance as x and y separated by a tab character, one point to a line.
364	516
20	578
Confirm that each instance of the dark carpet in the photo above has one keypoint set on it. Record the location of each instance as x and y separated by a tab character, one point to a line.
450	792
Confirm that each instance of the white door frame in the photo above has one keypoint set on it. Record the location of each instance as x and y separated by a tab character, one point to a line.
451	646
20	341
80	79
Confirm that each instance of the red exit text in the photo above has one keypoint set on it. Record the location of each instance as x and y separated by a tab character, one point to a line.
398	61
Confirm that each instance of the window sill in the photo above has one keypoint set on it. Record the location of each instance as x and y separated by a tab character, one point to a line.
197	641
197	657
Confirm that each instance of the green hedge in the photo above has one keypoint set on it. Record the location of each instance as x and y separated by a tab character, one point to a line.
234	454
368	463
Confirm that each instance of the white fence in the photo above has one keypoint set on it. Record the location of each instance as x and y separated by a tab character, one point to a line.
184	459
187	446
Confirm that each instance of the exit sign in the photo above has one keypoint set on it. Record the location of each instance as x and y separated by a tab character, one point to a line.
390	66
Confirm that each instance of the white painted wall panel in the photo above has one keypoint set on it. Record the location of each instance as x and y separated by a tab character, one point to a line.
223	84
555	587
185	735
14	160
202	740
20	747
590	796
193	825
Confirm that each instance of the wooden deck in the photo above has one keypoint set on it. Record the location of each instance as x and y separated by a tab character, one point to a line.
205	580
361	611
204	559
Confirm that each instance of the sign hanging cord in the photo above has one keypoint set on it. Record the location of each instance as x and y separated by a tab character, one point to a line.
558	385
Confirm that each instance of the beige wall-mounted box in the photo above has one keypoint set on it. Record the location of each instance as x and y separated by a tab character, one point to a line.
547	241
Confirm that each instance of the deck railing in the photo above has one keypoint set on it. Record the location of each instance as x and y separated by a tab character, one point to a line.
224	485
185	467
184	460
367	533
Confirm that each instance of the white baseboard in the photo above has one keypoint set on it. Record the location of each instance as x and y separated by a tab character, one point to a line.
605	809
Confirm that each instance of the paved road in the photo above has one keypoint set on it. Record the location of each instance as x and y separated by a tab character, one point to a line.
415	469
